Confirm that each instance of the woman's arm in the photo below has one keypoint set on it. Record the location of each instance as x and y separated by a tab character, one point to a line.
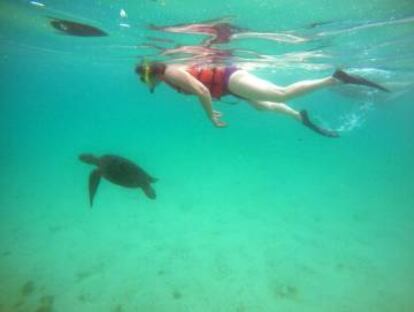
180	78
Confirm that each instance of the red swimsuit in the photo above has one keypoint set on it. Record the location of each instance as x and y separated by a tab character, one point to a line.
215	79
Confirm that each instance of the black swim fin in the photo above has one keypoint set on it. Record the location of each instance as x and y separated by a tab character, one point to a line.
357	80
94	179
308	123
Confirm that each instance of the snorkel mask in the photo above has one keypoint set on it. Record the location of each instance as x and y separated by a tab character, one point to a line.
147	75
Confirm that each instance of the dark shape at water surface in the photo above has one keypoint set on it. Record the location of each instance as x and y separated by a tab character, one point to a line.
76	29
117	170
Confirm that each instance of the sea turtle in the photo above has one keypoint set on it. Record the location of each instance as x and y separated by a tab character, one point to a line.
117	170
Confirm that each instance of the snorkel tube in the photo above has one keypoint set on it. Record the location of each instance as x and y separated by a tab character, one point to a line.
147	74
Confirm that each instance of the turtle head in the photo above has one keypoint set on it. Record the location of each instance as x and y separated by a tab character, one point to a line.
89	159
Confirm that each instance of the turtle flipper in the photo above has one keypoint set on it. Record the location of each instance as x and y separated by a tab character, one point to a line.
94	179
149	191
89	159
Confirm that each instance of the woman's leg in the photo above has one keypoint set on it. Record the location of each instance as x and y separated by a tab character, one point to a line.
276	107
301	116
250	87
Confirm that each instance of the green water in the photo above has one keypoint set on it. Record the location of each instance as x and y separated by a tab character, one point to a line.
263	215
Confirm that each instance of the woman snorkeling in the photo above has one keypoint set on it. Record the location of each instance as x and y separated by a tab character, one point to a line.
208	82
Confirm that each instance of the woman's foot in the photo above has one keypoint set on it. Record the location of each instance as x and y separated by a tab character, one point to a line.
357	80
308	123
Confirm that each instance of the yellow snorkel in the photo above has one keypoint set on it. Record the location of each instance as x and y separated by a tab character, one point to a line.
150	73
147	75
146	71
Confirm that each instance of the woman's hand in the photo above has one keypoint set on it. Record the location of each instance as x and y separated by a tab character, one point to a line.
216	120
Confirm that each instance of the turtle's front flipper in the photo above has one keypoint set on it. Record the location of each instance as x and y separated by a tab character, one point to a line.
149	191
94	179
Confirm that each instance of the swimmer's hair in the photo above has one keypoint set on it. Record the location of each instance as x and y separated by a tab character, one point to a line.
139	69
156	68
